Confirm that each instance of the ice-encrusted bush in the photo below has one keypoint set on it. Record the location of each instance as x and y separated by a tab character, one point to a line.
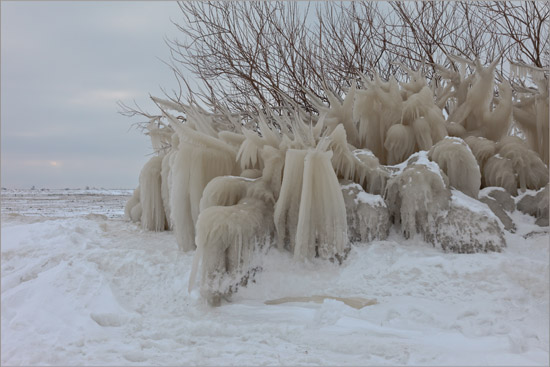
311	183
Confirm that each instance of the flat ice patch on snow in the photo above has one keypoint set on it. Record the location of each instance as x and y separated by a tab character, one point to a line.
83	290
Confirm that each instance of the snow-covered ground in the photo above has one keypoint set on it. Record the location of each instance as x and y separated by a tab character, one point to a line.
82	286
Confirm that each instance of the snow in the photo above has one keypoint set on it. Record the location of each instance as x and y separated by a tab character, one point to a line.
372	200
420	158
458	198
83	286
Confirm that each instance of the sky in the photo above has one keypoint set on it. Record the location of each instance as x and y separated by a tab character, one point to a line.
64	65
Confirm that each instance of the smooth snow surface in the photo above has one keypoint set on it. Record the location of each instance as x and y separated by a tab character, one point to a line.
79	288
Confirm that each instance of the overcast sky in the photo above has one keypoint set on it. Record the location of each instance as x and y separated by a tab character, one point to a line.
64	65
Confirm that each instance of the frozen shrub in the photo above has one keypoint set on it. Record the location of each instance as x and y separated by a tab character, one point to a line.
313	180
482	148
360	165
199	159
422	134
455	158
530	170
499	171
377	107
531	112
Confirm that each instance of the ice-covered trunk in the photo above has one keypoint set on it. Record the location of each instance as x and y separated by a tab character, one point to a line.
153	216
166	182
184	228
288	204
322	226
166	177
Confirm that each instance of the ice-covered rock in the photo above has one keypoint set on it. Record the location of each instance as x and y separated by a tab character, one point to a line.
500	202
368	216
469	227
536	205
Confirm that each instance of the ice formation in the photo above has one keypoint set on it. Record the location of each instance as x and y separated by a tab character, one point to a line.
383	157
131	204
200	158
416	197
530	170
153	216
531	112
322	227
458	162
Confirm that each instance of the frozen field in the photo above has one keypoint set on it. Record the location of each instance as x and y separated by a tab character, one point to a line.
82	286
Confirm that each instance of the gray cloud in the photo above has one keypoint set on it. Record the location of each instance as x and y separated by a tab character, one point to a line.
64	65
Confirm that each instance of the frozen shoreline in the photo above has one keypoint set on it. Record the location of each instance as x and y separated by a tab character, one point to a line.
87	289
